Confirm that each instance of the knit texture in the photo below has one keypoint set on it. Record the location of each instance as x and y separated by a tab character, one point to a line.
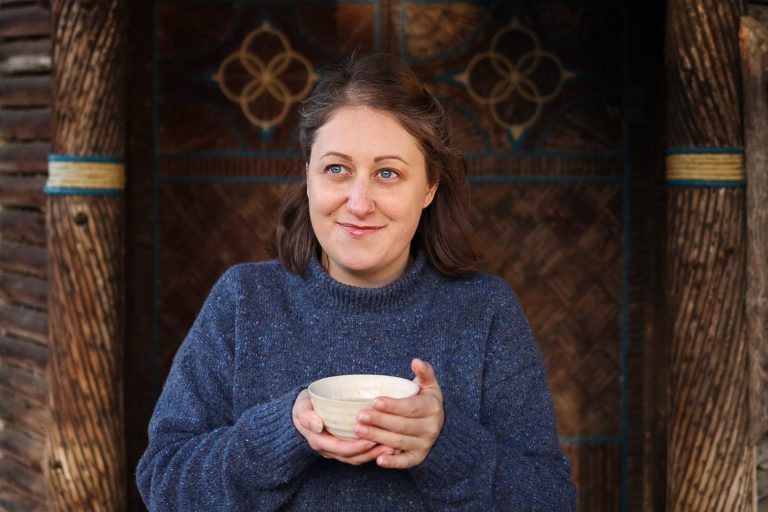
222	437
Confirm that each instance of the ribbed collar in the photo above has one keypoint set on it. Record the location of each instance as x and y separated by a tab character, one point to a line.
328	292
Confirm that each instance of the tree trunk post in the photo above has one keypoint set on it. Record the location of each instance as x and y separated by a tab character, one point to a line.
85	467
710	459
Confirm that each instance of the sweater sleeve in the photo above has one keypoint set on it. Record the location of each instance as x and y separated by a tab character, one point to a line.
201	457
510	459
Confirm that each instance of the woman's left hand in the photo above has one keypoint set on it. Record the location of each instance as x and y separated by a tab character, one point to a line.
408	425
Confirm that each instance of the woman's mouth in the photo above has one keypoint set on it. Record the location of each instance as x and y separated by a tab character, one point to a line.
357	231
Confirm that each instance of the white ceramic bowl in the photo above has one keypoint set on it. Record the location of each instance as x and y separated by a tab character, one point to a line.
337	400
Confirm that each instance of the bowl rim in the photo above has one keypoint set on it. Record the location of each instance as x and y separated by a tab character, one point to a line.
312	394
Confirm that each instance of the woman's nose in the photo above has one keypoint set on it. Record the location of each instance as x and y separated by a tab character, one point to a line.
360	202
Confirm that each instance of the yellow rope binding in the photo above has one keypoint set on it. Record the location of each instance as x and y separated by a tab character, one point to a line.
727	167
85	175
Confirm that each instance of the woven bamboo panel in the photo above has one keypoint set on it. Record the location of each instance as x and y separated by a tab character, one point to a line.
560	248
205	230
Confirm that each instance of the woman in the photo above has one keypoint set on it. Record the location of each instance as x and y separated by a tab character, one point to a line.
374	276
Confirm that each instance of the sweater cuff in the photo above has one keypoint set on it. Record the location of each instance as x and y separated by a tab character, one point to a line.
271	436
462	446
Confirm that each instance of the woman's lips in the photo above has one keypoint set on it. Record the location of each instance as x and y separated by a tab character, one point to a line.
356	231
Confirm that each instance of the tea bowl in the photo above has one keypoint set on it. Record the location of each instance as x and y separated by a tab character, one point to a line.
338	400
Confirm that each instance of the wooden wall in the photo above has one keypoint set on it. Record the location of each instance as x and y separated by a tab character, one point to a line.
24	145
566	180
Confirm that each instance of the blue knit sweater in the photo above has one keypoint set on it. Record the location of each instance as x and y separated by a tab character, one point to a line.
222	437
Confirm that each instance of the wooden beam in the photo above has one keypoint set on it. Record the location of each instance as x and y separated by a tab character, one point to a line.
32	418
8	3
25	91
23	290
23	385
24	449
25	323
22	480
753	38
26	355
25	125
24	21
24	157
24	132
12	501
19	57
23	226
22	192
23	259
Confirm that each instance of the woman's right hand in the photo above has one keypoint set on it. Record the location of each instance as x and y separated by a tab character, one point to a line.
309	425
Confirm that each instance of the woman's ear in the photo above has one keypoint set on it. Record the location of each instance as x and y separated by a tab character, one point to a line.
430	195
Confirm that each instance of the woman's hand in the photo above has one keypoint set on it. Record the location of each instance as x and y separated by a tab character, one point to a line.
408	425
309	425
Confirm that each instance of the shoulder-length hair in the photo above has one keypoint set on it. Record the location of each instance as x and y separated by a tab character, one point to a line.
384	82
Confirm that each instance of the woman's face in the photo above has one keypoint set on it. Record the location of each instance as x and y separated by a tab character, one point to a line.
367	185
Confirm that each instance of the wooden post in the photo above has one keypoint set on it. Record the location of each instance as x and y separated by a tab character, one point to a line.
85	211
753	39
710	456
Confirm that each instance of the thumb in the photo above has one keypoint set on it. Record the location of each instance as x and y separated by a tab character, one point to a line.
425	375
307	415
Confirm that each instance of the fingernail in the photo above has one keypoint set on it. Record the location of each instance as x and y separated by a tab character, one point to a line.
317	427
360	429
363	417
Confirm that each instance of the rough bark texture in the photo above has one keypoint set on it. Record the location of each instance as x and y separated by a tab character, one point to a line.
711	461
88	78
85	461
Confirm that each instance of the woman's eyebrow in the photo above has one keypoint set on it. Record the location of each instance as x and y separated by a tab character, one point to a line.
336	153
390	157
377	159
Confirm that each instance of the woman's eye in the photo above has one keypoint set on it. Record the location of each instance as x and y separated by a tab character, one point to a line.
387	174
335	169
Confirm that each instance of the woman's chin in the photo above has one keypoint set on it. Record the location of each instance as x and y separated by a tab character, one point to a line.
361	274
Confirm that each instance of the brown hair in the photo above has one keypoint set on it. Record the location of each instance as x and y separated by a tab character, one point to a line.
384	82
